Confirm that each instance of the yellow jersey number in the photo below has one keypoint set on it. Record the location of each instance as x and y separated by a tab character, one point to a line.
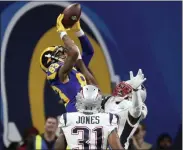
61	94
81	79
53	67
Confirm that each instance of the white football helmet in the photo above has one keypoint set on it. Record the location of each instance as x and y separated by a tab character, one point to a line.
89	99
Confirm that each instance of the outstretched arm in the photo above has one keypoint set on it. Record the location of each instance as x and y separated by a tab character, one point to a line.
87	53
72	50
72	55
87	49
136	109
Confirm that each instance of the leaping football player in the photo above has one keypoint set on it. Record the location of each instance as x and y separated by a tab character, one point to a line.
58	62
127	101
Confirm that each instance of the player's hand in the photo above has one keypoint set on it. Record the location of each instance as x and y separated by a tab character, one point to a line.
59	25
76	27
138	80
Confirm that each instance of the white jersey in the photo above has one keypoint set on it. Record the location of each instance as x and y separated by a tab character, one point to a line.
126	129
87	131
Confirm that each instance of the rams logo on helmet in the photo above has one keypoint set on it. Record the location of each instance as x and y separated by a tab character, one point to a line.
49	56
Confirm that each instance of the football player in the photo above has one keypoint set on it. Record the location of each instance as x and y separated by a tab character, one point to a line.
128	103
58	62
88	128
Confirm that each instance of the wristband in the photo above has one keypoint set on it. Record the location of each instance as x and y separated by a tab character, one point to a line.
62	34
80	33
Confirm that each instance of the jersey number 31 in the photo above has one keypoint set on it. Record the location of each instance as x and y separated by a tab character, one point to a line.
86	137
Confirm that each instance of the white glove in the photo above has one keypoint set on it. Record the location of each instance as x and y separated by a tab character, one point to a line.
136	81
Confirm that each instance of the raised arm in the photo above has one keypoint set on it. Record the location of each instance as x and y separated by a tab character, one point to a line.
136	109
87	53
87	49
72	50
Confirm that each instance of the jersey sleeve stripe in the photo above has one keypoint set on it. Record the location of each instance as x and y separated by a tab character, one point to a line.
110	118
117	118
125	134
105	99
65	118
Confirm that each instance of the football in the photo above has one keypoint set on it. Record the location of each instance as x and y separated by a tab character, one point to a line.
72	14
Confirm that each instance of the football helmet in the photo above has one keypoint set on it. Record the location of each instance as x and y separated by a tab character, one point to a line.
51	55
89	99
124	90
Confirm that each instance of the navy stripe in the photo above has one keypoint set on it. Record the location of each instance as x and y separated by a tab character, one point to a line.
117	118
125	134
110	117
65	118
104	100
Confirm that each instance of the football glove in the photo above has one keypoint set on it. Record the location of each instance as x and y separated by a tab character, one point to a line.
76	27
60	27
136	81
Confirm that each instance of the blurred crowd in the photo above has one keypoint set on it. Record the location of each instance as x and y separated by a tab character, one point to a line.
33	139
164	141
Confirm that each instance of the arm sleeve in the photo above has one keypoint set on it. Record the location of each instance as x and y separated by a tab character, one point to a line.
87	49
136	109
